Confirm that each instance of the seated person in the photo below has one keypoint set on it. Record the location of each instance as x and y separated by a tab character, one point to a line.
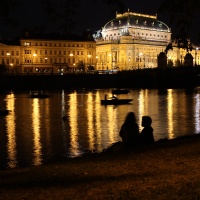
146	136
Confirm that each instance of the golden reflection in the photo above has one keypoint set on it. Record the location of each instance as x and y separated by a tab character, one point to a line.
98	120
73	123
10	123
143	105
64	117
90	113
112	123
36	131
170	113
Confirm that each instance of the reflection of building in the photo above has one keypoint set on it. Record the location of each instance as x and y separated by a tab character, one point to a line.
49	55
134	40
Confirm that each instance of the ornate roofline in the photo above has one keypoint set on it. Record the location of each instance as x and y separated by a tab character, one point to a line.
118	15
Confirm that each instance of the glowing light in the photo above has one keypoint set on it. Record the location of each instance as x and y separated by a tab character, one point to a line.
73	122
90	113
170	113
36	131
10	121
98	120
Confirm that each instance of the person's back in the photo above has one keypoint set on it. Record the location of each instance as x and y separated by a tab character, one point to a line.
146	136
130	131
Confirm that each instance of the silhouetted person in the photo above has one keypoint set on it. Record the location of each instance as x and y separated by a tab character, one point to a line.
146	135
130	131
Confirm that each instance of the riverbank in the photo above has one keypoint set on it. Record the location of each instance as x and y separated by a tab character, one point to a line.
180	77
166	170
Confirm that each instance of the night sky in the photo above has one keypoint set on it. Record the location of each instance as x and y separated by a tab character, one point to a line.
89	16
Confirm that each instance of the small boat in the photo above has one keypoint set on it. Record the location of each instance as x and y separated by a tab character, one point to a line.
4	112
120	91
115	101
38	94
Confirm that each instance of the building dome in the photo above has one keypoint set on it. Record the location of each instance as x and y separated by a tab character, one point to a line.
137	25
130	19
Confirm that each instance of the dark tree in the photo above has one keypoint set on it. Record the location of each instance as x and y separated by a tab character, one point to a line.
81	66
182	14
6	8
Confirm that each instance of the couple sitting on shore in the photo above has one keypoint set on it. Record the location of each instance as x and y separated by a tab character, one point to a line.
130	134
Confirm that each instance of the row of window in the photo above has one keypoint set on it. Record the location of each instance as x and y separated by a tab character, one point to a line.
57	52
46	52
134	34
13	62
137	22
11	53
10	61
57	44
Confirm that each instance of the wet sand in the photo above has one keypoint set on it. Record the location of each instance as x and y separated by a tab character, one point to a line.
166	170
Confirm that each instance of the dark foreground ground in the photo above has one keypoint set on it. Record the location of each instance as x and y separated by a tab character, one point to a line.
168	170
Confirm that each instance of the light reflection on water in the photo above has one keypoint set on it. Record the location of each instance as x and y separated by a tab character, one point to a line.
68	123
37	153
10	126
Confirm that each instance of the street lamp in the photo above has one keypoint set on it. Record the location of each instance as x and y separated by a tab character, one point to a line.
9	63
140	54
129	63
96	61
34	55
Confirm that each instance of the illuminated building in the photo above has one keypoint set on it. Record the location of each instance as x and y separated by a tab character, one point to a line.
134	41
130	41
49	55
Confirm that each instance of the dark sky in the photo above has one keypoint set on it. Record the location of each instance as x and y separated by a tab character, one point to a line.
89	15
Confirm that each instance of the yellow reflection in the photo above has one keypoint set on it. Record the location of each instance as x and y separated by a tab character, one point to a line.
64	117
10	122
98	120
73	122
143	105
90	114
63	110
36	131
170	113
112	122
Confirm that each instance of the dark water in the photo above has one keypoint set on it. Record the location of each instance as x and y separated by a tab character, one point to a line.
35	133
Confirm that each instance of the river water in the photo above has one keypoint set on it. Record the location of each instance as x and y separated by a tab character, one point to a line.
35	133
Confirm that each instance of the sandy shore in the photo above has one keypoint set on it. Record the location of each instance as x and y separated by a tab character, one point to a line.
167	170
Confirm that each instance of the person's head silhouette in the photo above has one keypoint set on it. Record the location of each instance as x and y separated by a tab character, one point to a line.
146	121
130	117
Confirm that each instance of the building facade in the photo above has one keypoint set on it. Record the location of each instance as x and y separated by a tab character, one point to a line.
55	56
130	41
134	41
